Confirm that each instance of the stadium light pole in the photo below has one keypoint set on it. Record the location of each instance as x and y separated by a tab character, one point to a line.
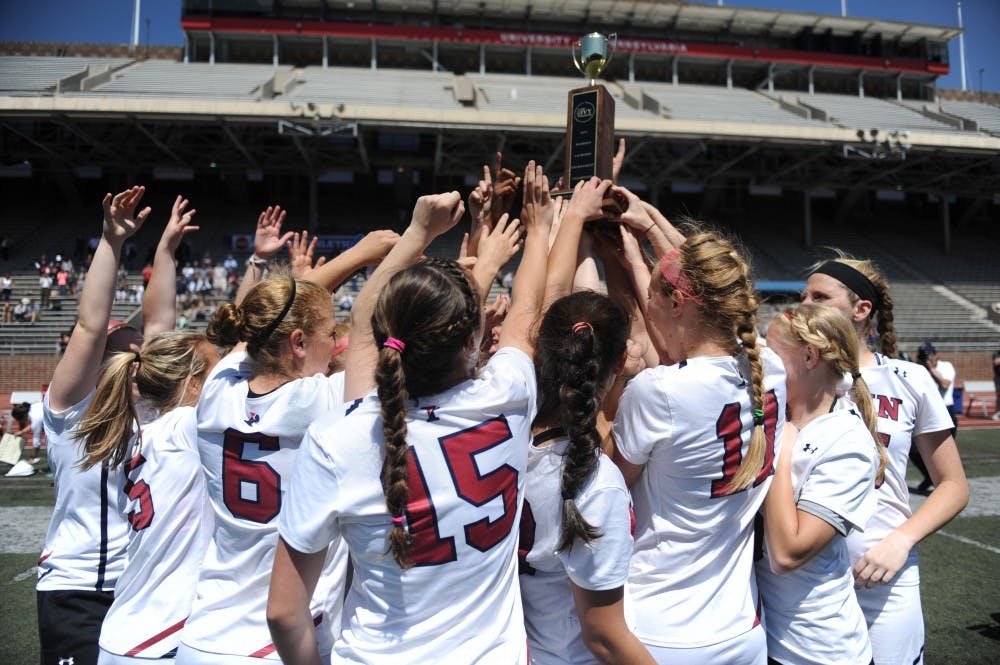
135	22
843	7
961	43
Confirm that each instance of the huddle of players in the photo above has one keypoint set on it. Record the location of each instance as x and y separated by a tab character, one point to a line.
452	499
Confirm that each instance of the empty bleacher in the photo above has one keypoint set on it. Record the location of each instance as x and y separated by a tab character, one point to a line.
706	102
986	116
385	87
39	74
865	112
167	78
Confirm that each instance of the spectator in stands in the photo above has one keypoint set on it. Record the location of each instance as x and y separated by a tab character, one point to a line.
44	290
6	284
996	384
62	281
346	303
943	373
19	423
8	313
62	342
230	264
220	276
147	272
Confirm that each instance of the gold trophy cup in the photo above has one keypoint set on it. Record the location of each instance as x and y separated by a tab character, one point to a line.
590	122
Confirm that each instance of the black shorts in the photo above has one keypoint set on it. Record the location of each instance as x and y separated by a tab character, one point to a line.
69	625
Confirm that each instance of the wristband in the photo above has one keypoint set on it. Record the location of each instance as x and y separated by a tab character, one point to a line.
256	261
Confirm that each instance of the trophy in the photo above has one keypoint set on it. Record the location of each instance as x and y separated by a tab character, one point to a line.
590	122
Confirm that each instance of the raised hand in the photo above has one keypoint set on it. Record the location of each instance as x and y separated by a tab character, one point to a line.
268	240
539	207
504	185
301	251
120	218
588	196
500	245
618	160
178	225
375	246
436	213
636	216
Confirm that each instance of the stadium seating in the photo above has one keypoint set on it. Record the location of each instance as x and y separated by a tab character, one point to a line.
39	74
987	117
385	87
866	112
197	79
705	102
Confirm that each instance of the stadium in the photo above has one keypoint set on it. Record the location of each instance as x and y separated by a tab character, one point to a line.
797	132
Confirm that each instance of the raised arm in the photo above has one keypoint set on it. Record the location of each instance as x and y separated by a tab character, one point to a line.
496	248
529	283
369	251
77	372
159	303
267	242
432	216
583	207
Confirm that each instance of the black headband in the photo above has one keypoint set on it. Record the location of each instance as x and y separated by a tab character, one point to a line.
288	305
853	279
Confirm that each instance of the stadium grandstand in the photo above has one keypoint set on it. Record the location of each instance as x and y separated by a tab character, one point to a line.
797	131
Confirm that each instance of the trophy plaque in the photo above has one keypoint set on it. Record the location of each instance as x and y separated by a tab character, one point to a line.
590	119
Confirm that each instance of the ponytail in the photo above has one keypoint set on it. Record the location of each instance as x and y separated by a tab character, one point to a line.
862	398
110	418
392	394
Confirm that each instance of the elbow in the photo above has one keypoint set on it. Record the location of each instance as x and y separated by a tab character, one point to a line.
783	563
600	643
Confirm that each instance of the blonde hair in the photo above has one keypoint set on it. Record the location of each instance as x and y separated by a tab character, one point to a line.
885	327
720	279
259	322
163	370
827	329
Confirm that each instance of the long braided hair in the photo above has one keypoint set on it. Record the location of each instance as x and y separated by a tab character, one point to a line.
719	278
580	341
430	311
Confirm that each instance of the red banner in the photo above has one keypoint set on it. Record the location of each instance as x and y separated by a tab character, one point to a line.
550	40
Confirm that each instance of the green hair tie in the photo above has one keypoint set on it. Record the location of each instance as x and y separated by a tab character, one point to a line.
758	417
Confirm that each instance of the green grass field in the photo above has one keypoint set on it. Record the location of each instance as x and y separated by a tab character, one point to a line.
961	594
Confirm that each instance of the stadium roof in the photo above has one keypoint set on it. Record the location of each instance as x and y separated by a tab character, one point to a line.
677	15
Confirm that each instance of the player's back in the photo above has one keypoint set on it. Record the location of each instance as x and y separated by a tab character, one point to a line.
691	578
164	500
468	449
248	445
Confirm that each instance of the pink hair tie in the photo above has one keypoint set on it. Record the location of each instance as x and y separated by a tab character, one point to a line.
397	520
670	268
582	325
394	343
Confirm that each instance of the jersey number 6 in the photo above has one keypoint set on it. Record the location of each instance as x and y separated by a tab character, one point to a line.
250	489
460	450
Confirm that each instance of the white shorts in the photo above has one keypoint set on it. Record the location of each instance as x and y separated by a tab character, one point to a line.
750	648
108	658
895	623
190	656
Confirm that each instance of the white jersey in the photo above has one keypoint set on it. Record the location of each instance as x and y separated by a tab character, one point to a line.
164	501
813	617
908	403
468	449
87	536
947	372
550	616
691	581
248	447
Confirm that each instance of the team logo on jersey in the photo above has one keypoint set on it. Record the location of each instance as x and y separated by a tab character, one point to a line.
67	661
809	448
253	419
431	416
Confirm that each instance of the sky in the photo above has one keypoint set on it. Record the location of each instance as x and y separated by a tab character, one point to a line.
110	21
